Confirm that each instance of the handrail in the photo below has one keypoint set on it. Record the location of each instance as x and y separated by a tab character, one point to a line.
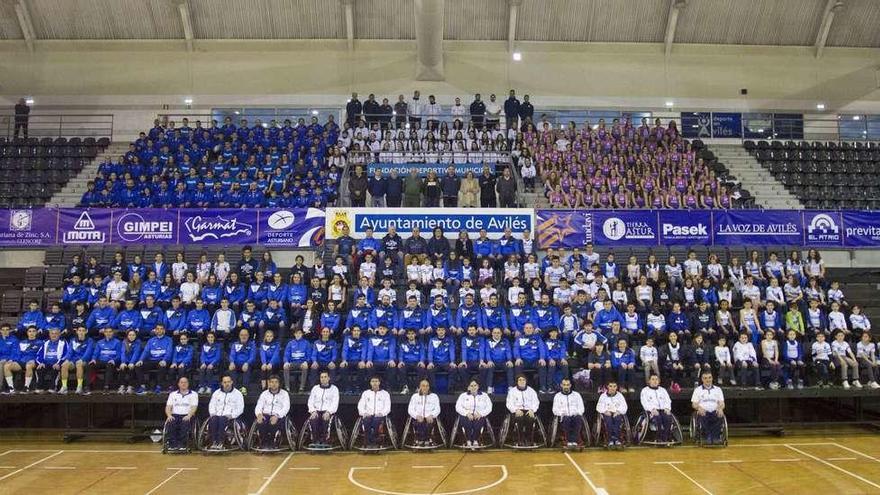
42	125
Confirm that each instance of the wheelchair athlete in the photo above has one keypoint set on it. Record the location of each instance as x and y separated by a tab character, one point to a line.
708	403
180	409
226	406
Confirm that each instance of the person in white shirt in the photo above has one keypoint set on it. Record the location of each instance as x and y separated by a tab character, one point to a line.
373	406
858	321
424	409
866	353
658	406
612	408
323	404
473	407
845	360
568	406
226	405
724	361
271	411
745	358
189	291
708	403
180	409
522	402
820	351
458	110
116	289
650	358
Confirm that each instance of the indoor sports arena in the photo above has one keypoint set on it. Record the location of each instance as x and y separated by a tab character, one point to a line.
445	247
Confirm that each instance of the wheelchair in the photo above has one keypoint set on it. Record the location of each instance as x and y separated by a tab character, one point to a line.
458	438
191	439
236	433
534	443
646	432
697	434
284	440
602	435
436	437
387	436
558	439
337	435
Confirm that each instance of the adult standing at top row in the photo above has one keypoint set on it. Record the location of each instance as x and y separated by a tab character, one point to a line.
22	111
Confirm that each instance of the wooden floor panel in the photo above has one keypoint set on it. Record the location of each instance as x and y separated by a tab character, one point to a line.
755	466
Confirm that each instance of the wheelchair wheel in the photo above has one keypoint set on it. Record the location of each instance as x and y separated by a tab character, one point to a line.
557	436
436	437
538	429
191	439
236	433
285	438
642	433
457	438
602	435
387	437
337	436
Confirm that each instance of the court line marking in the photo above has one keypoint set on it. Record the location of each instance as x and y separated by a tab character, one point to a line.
854	451
179	470
44	459
7	467
273	475
840	459
854	475
182	468
495	483
6	452
786	460
668	462
87	451
596	489
701	487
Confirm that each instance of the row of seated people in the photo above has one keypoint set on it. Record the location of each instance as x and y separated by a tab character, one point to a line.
415	352
280	162
620	166
272	429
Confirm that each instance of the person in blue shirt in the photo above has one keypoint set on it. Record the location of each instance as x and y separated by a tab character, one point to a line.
411	357
411	316
212	294
544	315
155	357
269	355
176	318
353	361
324	355
128	319
101	316
74	293
80	350
150	287
441	355
250	319
297	356
484	248
258	290
381	355
55	319
50	360
368	244
623	362
439	315
499	357
557	358
236	292
493	316
106	357
33	317
297	293
8	348
359	315
151	317
530	353
520	313
678	322
210	360
242	357
606	316
182	360
23	358
131	352
469	314
472	360
331	319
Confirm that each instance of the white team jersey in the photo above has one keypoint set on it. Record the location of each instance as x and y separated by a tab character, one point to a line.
424	405
182	403
708	398
655	399
571	404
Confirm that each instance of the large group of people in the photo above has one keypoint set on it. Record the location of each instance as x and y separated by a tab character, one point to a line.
425	308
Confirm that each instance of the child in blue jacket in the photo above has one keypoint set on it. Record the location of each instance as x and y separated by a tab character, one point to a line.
623	362
181	362
270	357
210	360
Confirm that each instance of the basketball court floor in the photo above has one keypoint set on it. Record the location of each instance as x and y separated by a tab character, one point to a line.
836	464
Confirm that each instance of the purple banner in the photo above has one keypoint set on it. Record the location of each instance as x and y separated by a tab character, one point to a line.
26	227
82	227
565	229
624	228
152	226
292	227
823	228
757	227
862	228
218	226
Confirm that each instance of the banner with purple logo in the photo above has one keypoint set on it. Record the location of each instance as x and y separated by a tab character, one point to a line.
565	229
625	228
27	227
688	228
757	227
292	227
153	226
861	228
823	228
77	226
218	226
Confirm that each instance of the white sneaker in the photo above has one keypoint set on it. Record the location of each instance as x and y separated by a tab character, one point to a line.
121	389
857	384
845	384
63	390
79	390
490	390
873	385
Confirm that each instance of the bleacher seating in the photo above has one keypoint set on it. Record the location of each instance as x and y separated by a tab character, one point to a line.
824	175
33	169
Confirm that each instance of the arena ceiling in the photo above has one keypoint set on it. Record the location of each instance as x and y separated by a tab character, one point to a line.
835	23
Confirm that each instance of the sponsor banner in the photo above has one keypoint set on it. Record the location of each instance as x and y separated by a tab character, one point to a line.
726	125
625	228
823	228
153	226
564	229
761	227
690	228
28	227
403	169
451	220
81	227
861	228
218	226
292	227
